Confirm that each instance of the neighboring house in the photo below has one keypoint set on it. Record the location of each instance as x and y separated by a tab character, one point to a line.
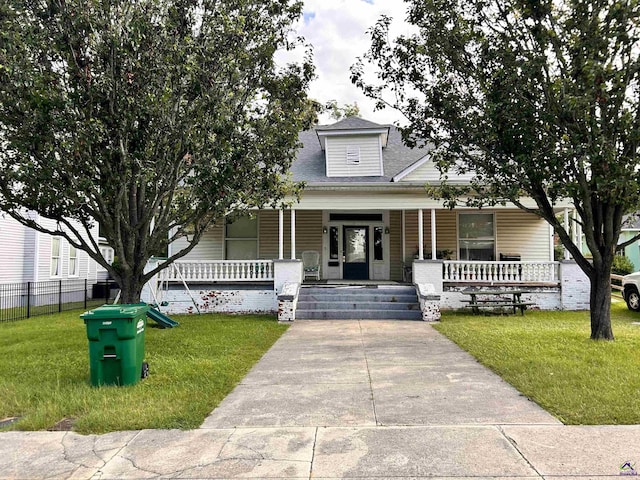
108	254
365	210
31	256
630	229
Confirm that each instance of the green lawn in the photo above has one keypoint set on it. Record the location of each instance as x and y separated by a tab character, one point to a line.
44	367
44	372
548	357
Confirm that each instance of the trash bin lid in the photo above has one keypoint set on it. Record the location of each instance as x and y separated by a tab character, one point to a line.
126	311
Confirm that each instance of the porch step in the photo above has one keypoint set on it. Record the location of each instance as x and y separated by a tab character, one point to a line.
359	305
371	298
358	315
347	302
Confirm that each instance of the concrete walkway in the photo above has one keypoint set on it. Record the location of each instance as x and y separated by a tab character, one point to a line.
346	399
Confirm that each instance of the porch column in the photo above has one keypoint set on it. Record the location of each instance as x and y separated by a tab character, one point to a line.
404	237
577	230
293	234
433	234
420	236
566	227
280	234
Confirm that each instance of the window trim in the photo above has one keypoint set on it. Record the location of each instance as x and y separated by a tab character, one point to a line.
494	238
58	258
76	271
226	238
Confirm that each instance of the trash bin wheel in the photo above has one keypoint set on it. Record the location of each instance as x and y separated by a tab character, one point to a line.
145	370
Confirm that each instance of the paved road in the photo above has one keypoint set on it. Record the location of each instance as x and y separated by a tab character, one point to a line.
346	399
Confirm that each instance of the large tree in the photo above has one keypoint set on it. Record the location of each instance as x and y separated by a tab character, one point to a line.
153	118
338	112
540	98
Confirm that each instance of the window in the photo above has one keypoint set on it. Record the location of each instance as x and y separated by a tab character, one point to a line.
377	243
73	261
476	239
55	257
107	254
353	155
241	239
333	243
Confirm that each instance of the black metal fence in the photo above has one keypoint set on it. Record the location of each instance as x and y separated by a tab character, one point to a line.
28	299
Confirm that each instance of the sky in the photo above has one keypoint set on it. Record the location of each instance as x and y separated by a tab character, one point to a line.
337	31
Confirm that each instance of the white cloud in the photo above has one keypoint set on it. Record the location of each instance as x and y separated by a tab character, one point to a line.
337	31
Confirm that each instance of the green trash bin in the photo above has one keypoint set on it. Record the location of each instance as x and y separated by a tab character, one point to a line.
116	343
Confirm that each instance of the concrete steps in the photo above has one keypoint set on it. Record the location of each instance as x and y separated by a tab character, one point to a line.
370	302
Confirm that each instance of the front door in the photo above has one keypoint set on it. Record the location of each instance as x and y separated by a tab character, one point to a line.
355	245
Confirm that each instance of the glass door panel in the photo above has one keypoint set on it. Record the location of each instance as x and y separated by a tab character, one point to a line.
356	253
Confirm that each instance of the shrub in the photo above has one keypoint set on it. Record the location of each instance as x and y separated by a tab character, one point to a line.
622	265
558	252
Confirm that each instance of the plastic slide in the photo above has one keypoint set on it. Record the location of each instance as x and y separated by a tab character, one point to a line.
161	319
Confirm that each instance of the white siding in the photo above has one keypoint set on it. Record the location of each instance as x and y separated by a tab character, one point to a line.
25	255
522	233
15	238
210	246
429	173
336	152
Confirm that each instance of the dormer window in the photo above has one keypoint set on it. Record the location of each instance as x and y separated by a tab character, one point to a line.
353	155
353	148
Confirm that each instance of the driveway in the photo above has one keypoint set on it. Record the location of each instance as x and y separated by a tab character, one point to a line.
371	373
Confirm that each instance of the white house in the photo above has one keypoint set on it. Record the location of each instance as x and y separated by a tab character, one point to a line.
365	211
31	256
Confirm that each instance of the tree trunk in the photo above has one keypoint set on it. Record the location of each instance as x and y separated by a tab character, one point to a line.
130	289
600	304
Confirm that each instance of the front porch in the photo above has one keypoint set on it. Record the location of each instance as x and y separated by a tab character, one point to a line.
380	245
244	264
261	285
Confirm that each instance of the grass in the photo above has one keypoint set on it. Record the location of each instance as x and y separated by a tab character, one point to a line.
549	358
44	372
44	367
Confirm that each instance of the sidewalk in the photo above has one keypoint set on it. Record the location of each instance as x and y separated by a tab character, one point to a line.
346	399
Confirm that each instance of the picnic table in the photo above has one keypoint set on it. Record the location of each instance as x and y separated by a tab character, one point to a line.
496	299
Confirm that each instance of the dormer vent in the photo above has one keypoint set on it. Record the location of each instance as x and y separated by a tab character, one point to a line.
353	155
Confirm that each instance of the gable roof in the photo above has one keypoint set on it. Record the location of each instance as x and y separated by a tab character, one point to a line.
310	167
350	123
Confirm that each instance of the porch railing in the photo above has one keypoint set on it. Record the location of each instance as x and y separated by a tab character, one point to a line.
219	271
500	272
